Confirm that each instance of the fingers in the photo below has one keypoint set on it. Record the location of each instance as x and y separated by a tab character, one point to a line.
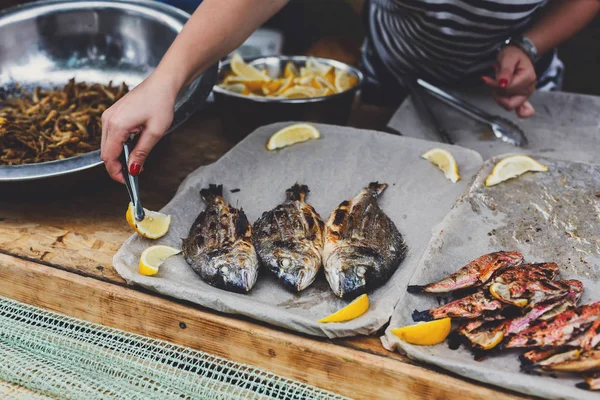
144	146
116	134
507	66
526	110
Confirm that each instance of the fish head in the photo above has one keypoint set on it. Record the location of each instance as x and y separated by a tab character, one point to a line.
232	272
351	271
511	257
297	269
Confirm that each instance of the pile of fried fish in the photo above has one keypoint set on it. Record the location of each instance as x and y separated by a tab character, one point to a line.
49	125
503	303
359	246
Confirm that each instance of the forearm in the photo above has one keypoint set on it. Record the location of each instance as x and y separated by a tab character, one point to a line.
562	20
215	29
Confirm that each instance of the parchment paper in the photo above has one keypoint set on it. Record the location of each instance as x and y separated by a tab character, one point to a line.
565	125
552	216
335	168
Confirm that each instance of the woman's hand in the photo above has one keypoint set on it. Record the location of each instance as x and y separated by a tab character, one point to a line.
147	109
515	81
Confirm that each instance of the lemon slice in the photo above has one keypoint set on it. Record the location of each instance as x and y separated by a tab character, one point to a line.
342	81
501	292
300	92
425	333
445	161
243	70
154	225
238	88
290	70
512	167
292	134
486	340
153	257
355	309
321	83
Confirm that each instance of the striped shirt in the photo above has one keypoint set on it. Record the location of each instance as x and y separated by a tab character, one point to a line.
450	41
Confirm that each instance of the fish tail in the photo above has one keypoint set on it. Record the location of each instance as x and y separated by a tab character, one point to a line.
211	192
377	188
416	288
297	192
421	316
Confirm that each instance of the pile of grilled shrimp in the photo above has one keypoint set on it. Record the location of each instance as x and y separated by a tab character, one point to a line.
359	246
503	303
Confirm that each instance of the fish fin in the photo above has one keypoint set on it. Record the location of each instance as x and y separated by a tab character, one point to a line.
297	192
416	288
241	224
211	192
421	316
377	188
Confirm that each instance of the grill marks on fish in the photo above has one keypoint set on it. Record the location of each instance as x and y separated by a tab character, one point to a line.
363	246
474	274
289	240
219	245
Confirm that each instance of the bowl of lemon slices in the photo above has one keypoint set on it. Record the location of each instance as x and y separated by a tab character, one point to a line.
261	91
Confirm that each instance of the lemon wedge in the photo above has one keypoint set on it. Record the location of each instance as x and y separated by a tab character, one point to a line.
292	134
238	88
444	161
342	81
425	333
243	70
290	70
486	340
153	257
500	291
154	225
355	309
512	167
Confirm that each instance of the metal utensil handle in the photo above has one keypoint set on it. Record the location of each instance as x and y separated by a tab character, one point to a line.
458	104
421	102
131	182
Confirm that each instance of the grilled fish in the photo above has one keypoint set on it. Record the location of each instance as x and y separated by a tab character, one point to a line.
474	274
535	356
590	339
559	330
485	337
573	361
289	240
219	246
362	247
592	381
475	305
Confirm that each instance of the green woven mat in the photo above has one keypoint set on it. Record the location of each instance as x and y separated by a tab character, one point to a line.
55	356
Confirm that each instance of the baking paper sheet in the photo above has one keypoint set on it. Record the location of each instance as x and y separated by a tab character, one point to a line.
552	216
335	168
565	125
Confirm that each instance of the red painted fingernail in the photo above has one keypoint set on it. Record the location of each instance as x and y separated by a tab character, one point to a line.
503	83
134	169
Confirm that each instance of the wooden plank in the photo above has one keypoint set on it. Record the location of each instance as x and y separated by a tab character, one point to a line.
325	364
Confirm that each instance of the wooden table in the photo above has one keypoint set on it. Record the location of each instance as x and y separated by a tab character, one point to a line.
57	240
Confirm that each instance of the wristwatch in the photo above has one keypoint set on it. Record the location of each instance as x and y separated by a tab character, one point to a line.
524	44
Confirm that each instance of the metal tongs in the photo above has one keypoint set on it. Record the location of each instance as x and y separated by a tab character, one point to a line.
131	182
503	129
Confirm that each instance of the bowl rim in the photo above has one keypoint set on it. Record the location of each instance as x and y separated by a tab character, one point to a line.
47	169
294	58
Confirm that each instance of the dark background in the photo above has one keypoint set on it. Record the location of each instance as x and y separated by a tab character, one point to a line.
334	27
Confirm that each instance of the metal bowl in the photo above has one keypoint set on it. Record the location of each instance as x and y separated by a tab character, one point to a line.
47	43
240	114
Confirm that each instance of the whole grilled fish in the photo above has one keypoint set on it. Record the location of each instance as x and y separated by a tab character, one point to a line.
474	274
476	305
219	246
289	240
363	247
559	330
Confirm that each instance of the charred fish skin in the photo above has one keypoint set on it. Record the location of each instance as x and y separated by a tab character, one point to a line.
219	245
474	274
363	246
473	306
289	240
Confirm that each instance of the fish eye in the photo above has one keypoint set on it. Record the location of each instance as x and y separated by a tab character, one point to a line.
361	271
224	269
285	262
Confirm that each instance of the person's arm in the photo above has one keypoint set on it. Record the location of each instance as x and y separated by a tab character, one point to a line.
515	74
215	29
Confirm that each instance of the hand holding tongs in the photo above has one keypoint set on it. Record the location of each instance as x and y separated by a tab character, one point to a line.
131	182
503	128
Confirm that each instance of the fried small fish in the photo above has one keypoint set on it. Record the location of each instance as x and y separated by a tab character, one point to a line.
219	246
559	330
474	274
363	247
475	305
289	240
